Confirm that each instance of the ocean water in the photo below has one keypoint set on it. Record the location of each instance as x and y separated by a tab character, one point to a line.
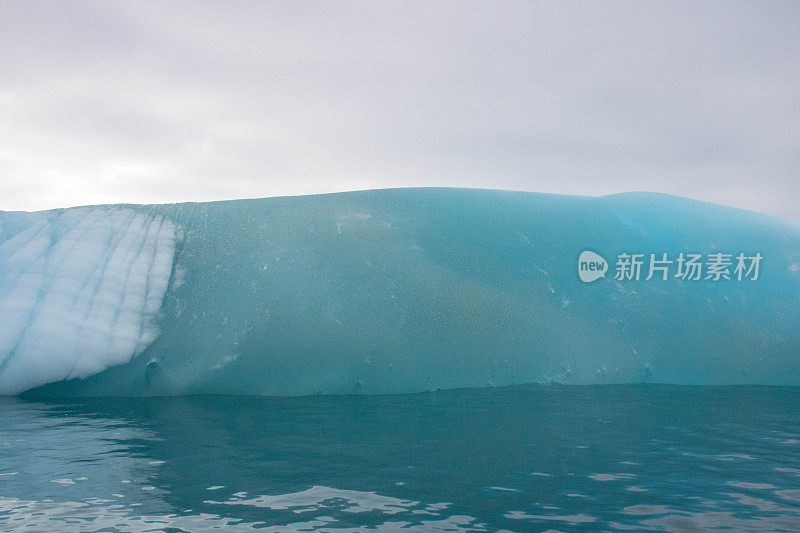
523	458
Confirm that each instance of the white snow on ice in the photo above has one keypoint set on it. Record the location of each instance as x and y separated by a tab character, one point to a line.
79	291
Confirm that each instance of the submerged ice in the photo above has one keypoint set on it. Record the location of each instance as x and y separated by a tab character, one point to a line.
388	291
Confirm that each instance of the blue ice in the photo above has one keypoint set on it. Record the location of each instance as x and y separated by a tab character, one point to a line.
387	291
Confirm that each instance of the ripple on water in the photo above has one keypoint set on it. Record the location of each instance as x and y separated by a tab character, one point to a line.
95	514
457	462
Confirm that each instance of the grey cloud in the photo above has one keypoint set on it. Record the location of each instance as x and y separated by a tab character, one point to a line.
173	101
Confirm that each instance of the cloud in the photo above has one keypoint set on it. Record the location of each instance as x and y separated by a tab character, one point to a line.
171	101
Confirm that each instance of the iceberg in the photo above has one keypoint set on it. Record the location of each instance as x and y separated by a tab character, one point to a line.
395	291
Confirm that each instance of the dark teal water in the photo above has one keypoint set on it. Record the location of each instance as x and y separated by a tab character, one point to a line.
522	459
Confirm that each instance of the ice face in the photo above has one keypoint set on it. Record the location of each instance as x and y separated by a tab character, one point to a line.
390	291
79	291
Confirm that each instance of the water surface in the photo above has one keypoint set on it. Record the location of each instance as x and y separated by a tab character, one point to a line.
527	458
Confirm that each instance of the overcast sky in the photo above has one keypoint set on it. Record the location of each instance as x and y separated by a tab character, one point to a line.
168	101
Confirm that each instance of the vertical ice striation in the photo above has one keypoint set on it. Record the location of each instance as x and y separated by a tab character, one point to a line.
79	291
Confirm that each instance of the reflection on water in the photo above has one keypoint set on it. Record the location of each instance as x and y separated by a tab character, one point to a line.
521	458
